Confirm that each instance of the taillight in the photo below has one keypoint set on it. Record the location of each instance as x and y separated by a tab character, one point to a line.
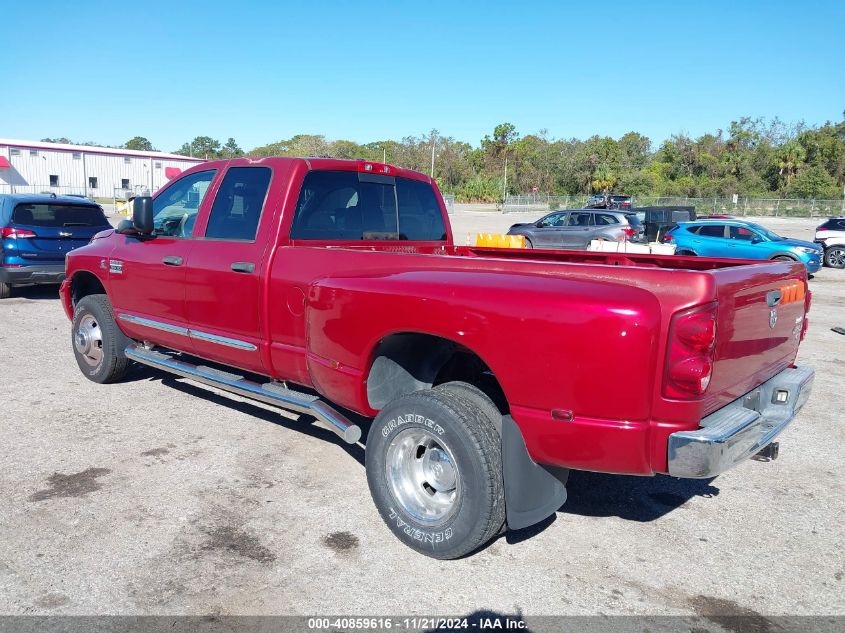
629	231
808	299
668	237
8	232
689	354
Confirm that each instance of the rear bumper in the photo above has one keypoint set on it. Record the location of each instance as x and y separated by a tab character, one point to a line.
33	274
739	430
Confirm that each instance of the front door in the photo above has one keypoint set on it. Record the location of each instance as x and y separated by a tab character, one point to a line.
147	274
545	235
741	244
225	270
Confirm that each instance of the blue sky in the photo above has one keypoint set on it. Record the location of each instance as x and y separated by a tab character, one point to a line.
371	70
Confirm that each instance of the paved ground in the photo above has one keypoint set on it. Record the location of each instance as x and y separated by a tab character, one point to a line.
156	496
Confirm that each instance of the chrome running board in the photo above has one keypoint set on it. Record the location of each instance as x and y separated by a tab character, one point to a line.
269	393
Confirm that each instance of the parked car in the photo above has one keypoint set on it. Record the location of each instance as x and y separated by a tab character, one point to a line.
831	237
37	231
604	201
575	228
715	216
482	368
741	240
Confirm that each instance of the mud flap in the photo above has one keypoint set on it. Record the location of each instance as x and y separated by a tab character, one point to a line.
532	493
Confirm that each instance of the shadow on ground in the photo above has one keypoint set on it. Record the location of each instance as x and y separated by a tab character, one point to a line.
305	424
34	293
639	499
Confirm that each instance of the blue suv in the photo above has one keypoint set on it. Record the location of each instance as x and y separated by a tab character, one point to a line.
37	231
740	240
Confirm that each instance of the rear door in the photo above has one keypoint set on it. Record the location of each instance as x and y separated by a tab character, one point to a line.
709	241
55	229
225	268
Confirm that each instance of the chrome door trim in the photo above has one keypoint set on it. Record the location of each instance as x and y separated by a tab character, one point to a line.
191	333
222	340
151	323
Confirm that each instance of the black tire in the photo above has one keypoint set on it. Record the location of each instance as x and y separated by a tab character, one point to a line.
835	257
783	258
686	254
98	344
477	398
5	290
452	427
528	243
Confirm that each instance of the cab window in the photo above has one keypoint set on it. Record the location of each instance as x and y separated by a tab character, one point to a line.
175	208
238	204
346	205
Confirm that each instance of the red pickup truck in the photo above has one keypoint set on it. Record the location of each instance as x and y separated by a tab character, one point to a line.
334	288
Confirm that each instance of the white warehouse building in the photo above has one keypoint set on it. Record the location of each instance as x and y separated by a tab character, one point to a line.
97	172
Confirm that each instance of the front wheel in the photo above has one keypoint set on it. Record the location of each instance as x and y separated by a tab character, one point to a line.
528	243
835	257
98	343
783	258
434	467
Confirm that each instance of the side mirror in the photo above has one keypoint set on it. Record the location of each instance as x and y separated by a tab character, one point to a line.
142	215
756	239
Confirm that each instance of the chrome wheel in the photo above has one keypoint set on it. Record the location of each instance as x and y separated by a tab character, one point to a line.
835	257
88	340
423	476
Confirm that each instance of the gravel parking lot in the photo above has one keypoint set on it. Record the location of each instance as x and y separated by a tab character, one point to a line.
159	496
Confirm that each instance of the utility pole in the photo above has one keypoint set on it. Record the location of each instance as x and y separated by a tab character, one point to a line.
505	187
433	145
383	154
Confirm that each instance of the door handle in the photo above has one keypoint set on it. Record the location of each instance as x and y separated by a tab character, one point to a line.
171	260
243	267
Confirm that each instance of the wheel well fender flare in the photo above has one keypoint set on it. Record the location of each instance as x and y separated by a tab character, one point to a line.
84	283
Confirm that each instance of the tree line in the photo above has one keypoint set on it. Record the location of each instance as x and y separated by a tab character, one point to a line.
754	157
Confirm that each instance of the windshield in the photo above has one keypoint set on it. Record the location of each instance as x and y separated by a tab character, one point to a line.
59	215
766	233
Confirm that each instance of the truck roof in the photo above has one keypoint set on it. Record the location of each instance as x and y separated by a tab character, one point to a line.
320	163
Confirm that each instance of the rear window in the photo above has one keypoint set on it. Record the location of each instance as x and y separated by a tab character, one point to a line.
58	215
346	205
834	225
633	219
620	198
603	219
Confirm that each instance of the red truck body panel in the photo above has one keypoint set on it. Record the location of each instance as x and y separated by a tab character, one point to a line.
577	332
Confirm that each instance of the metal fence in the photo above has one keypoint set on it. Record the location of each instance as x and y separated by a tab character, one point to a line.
744	206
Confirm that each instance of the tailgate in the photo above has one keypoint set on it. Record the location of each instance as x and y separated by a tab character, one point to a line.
758	328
